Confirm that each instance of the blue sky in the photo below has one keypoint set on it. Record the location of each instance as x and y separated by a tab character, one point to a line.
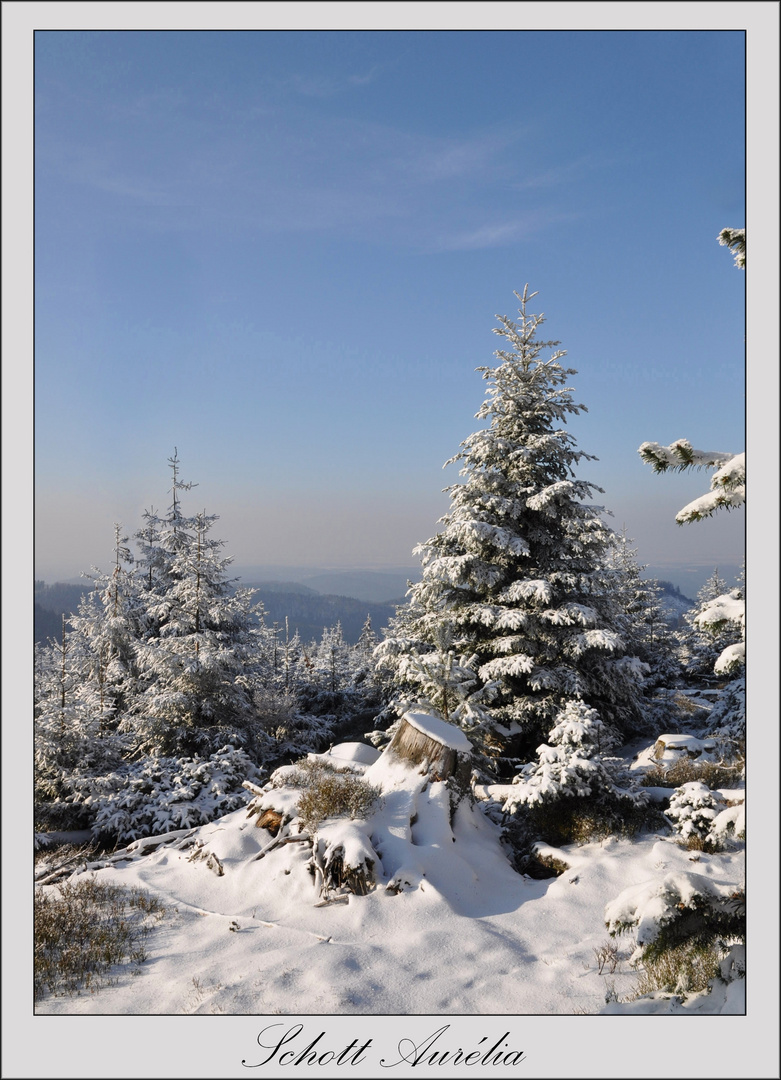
283	253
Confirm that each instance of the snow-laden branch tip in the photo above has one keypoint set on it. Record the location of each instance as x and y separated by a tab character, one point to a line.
728	483
735	240
728	490
681	455
731	659
728	608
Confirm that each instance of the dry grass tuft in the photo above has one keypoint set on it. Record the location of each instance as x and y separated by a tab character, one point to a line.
686	969
329	793
713	773
83	928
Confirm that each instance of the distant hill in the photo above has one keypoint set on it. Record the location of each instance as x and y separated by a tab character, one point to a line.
674	603
370	585
307	610
690	579
281	587
310	613
51	602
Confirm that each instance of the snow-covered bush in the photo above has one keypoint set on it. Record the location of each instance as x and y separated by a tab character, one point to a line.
158	795
681	908
693	810
727	720
574	763
689	933
728	825
700	643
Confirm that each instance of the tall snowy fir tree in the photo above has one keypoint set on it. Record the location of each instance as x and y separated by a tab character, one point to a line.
514	615
198	661
111	620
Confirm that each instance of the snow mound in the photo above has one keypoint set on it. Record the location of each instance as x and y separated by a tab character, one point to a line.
360	753
671	748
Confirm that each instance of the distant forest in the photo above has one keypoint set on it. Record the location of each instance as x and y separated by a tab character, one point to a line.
306	610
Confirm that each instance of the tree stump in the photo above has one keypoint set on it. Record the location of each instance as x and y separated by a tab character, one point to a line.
440	748
271	820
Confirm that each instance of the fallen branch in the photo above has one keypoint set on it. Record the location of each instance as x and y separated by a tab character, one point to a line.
333	900
280	841
252	788
54	873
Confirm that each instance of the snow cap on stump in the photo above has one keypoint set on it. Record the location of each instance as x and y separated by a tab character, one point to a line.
426	739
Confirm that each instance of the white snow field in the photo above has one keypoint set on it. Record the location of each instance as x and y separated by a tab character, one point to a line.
459	932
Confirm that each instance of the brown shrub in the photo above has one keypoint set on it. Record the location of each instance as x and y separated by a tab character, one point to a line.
83	928
715	774
329	792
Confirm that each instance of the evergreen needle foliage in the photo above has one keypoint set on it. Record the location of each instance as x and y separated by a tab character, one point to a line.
168	689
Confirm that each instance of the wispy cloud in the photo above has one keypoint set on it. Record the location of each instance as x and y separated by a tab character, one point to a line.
323	86
289	168
501	233
567	173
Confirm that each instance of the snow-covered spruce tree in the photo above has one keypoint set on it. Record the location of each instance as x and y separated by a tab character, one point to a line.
110	622
63	727
198	661
728	482
703	819
726	615
364	667
83	684
366	678
575	789
198	670
517	572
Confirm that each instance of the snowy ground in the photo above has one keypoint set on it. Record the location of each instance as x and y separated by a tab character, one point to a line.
465	935
467	955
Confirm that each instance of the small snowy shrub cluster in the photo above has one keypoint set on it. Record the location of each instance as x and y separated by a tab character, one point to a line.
83	928
685	969
158	795
330	793
703	819
689	929
693	809
682	908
